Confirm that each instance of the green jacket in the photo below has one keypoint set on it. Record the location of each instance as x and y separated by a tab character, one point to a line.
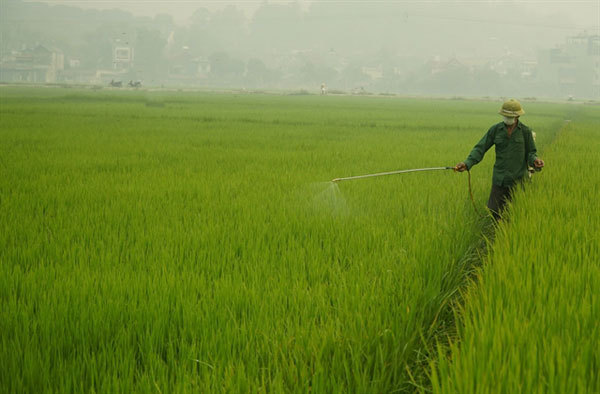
512	154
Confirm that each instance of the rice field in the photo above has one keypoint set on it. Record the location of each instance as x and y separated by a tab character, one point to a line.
177	242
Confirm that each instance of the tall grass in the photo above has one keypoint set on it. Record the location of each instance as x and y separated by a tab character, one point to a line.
530	325
179	247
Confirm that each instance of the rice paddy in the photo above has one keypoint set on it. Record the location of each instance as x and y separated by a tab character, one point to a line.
177	242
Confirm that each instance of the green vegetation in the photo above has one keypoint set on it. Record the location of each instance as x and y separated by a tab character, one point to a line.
175	241
530	324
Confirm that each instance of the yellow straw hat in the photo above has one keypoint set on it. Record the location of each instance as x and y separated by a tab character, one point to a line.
511	109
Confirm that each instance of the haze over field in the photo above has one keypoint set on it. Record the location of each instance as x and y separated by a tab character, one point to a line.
581	13
527	48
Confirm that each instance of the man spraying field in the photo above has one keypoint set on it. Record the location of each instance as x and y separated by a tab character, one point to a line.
515	151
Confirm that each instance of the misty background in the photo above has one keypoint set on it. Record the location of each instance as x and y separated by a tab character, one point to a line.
451	48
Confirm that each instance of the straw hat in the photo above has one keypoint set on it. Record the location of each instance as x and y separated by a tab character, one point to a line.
511	109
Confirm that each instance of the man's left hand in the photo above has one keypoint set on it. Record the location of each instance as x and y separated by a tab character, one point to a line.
538	163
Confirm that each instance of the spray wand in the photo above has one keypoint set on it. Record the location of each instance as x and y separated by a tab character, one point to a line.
336	180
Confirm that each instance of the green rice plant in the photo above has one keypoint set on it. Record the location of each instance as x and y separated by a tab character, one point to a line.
195	245
530	322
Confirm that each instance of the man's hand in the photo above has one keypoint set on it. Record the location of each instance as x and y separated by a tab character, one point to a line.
538	163
460	167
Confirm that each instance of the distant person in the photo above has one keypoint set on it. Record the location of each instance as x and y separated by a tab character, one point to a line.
323	89
515	151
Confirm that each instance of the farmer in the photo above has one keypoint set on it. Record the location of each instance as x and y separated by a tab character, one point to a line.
515	150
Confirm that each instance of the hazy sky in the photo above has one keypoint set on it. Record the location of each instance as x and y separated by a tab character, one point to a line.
583	13
333	36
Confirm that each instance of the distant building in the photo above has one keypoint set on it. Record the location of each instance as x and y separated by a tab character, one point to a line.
513	65
573	68
122	57
185	69
40	64
437	65
121	71
74	63
203	67
75	72
374	73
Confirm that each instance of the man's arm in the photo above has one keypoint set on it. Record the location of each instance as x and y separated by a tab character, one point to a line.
478	151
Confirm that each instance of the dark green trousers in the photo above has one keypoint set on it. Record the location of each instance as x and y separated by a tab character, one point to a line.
499	196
